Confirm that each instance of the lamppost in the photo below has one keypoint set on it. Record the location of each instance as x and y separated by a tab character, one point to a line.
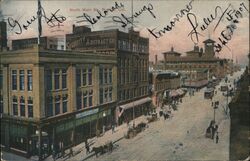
104	115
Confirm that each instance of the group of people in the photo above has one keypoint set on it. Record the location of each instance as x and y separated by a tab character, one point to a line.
212	131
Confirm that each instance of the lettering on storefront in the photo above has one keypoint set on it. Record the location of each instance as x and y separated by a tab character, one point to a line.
86	113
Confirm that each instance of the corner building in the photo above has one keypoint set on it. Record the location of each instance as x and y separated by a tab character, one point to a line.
132	55
53	99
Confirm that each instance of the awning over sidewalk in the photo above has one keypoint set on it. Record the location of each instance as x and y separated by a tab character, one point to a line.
196	84
135	103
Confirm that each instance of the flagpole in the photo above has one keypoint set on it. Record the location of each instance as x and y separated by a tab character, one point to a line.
39	21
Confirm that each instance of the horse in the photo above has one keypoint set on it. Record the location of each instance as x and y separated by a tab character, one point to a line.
98	150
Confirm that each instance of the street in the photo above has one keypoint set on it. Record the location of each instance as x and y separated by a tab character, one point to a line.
181	137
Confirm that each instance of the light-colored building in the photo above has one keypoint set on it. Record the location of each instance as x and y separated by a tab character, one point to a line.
196	64
55	98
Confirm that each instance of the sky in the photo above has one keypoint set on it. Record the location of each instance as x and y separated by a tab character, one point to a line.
156	14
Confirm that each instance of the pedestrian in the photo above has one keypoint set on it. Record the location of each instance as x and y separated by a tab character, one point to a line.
217	138
113	128
70	152
54	155
87	147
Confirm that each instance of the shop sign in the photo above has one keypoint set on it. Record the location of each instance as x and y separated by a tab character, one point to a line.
86	113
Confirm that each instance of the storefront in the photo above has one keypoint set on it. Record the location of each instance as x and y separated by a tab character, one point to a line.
129	111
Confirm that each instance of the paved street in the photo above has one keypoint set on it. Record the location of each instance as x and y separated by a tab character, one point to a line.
179	138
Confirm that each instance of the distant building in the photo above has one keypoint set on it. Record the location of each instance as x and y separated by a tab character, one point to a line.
58	97
132	54
54	43
162	81
196	64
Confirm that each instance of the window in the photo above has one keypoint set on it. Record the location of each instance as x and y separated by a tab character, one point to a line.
22	106
14	106
57	105
85	99
49	80
101	75
65	102
110	75
90	98
110	94
1	104
79	100
106	95
101	95
90	76
105	75
14	79
29	82
21	80
78	77
30	107
64	78
56	79
50	106
84	76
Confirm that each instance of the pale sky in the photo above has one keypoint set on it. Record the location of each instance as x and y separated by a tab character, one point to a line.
164	11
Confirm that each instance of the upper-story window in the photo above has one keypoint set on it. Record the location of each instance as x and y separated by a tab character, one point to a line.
78	77
29	80
22	106
84	77
14	79
110	75
57	105
57	78
65	103
49	79
21	80
30	107
14	106
89	76
64	78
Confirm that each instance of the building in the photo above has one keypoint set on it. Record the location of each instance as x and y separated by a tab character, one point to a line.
132	54
162	81
198	66
55	43
54	99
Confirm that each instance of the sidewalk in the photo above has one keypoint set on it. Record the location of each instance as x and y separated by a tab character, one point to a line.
79	151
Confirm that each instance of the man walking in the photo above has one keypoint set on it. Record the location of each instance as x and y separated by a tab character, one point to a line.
217	138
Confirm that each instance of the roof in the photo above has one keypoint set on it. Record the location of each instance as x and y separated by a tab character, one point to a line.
209	41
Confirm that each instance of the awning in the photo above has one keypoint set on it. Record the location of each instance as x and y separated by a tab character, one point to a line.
173	93
180	91
135	103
